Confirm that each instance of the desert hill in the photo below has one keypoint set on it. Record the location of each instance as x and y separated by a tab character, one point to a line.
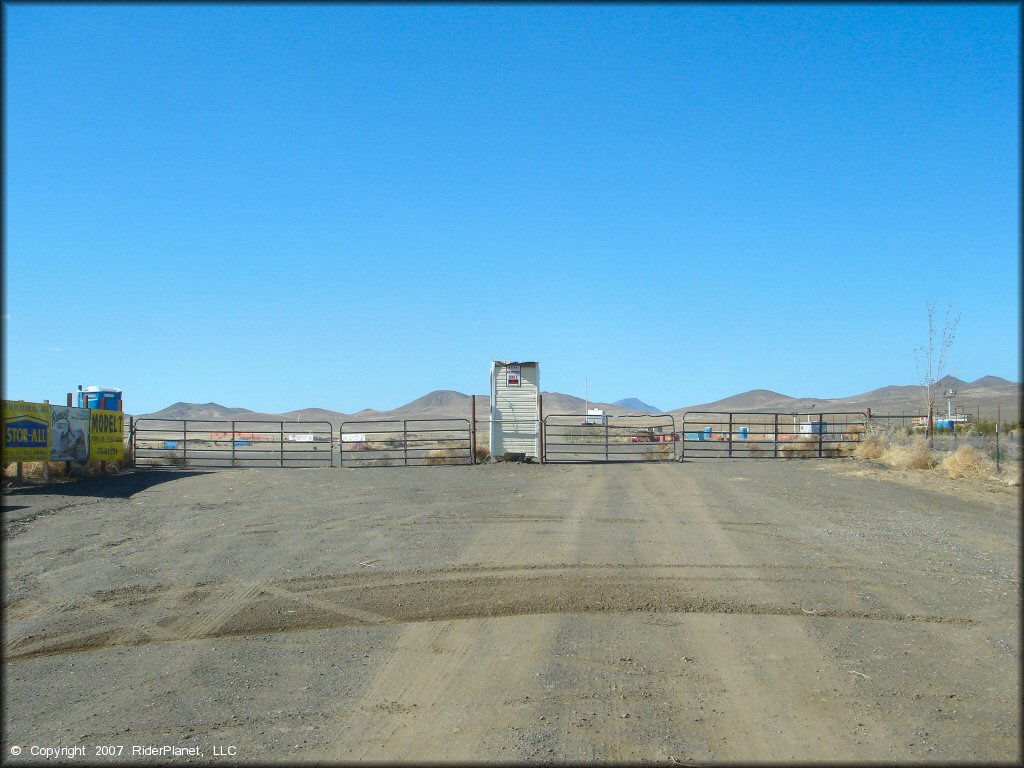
980	396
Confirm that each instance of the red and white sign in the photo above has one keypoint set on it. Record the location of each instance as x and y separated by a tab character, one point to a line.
513	376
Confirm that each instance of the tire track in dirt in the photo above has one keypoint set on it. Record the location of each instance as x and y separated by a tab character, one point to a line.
587	661
757	697
889	673
443	678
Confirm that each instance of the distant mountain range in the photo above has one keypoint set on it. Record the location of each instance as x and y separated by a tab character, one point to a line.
632	404
986	393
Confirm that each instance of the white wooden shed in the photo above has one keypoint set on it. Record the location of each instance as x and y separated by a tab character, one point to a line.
515	408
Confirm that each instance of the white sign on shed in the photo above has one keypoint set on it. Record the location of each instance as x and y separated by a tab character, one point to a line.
515	408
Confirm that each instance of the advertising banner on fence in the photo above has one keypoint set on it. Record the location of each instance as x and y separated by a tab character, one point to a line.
106	435
26	431
69	433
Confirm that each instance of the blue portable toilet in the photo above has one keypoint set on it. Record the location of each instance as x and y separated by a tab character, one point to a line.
707	433
102	398
743	432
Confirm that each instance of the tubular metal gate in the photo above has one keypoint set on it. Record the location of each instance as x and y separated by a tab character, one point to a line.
405	442
200	443
720	434
579	438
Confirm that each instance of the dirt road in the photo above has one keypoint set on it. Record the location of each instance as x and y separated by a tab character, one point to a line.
696	612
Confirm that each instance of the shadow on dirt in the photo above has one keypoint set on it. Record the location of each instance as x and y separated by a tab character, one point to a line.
107	486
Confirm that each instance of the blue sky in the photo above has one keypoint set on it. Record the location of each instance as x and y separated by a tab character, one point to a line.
347	206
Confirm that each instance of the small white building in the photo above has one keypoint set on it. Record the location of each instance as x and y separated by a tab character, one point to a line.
515	408
596	416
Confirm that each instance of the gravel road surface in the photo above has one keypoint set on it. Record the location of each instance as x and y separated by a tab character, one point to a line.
699	612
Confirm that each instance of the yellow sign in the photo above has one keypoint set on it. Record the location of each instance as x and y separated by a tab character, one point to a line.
26	431
106	435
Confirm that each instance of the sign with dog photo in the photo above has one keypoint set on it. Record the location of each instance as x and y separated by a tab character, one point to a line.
69	433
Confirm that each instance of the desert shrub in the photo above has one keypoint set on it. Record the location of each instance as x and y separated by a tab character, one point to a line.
917	455
754	449
968	461
873	446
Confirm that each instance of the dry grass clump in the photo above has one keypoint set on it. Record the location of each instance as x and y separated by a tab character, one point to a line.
33	471
753	449
1012	473
839	451
659	452
448	452
917	455
873	446
441	456
176	459
968	461
481	454
803	447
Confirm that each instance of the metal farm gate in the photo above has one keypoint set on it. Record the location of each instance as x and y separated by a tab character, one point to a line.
581	438
199	443
405	442
734	435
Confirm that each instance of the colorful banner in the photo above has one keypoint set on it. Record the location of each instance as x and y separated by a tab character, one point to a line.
26	431
106	435
69	433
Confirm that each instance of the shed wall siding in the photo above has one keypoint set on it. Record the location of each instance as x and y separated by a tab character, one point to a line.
514	412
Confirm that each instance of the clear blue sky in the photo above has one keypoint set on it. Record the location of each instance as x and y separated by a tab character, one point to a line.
344	206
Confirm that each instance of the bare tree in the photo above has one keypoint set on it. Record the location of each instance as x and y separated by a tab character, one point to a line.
934	360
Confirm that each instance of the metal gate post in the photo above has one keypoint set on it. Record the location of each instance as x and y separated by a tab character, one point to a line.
184	441
605	435
280	442
232	443
675	438
775	443
730	434
405	443
821	426
472	430
541	426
